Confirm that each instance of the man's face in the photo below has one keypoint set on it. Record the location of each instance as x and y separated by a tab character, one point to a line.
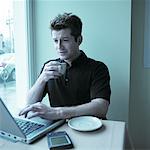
65	44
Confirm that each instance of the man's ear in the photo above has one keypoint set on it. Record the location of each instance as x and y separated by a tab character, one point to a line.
79	39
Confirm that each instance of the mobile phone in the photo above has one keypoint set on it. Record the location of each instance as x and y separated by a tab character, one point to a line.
59	140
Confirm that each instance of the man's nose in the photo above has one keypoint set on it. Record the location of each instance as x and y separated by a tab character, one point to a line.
59	44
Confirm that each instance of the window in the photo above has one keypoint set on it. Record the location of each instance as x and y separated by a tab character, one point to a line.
14	81
7	53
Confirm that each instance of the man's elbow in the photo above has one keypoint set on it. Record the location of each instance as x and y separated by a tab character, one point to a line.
102	107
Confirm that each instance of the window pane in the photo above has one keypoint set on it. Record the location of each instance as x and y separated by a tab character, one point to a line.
7	54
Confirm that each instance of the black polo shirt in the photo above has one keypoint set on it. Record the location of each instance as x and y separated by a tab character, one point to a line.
85	80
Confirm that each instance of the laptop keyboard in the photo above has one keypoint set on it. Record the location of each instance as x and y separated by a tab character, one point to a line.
27	127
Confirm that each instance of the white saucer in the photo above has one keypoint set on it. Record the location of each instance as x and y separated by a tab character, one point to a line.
85	123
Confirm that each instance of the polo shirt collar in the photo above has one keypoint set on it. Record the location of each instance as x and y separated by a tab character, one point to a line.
80	59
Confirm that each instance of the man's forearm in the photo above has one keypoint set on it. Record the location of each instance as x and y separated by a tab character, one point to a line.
36	92
97	107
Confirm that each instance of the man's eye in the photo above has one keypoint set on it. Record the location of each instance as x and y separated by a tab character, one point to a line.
66	40
55	41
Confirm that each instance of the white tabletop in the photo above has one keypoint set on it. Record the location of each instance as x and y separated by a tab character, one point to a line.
111	136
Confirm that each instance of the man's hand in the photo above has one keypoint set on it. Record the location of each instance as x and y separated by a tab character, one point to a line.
51	71
40	110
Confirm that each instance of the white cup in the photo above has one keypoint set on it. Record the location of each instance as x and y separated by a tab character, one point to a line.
62	68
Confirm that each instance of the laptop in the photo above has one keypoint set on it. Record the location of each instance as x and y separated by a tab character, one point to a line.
22	129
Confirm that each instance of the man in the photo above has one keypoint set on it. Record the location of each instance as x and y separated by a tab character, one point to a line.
83	90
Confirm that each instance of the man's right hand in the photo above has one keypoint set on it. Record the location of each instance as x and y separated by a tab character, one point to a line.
51	71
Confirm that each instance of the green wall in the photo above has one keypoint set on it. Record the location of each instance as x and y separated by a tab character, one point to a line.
106	37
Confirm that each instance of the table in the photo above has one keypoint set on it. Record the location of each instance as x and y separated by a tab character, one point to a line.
111	136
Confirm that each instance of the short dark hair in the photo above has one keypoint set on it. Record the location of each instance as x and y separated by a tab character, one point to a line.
67	20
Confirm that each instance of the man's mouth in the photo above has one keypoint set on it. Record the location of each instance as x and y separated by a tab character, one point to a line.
62	52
